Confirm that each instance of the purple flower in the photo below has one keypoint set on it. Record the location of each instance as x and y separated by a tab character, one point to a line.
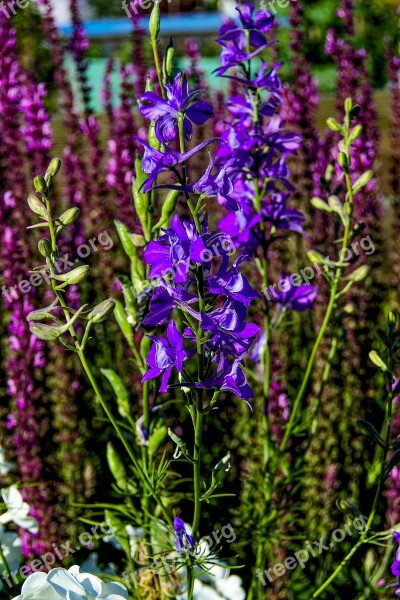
217	185
251	26
232	283
174	250
179	101
230	333
184	541
231	378
282	217
164	355
156	162
396	564
163	301
299	297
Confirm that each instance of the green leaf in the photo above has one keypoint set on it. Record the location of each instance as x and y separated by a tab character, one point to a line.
119	391
116	466
122	320
369	430
157	439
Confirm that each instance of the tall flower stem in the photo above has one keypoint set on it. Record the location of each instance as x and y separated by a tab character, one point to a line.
378	492
198	415
332	301
79	348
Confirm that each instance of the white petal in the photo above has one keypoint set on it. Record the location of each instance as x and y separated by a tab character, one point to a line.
231	587
114	591
205	592
90	583
63	582
36	586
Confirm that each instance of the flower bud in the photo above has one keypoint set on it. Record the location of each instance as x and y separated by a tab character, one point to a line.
38	208
168	209
40	185
154	23
53	168
348	105
355	133
392	318
333	124
75	276
45	332
102	311
69	216
362	181
168	63
343	161
149	85
45	248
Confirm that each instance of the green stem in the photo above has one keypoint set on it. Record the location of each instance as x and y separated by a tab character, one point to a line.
377	497
332	301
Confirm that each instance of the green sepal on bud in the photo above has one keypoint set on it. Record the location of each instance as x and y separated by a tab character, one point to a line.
378	360
168	209
53	169
168	63
315	257
45	248
40	184
42	313
343	161
359	274
38	208
355	133
67	218
73	277
154	22
362	181
334	125
47	333
320	204
348	105
102	311
149	87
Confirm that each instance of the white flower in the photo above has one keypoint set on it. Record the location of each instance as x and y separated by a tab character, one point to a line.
231	587
11	548
17	510
37	586
73	584
4	465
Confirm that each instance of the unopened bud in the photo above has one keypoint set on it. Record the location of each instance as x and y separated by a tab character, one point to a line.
348	105
75	276
38	208
149	85
154	23
102	311
45	248
53	168
333	124
168	64
45	332
69	216
40	185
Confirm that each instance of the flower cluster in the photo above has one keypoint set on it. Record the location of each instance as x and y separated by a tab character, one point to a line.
255	145
211	295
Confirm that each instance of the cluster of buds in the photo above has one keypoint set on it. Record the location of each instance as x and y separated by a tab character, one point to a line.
41	207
